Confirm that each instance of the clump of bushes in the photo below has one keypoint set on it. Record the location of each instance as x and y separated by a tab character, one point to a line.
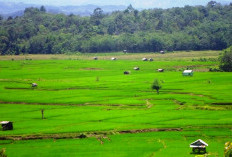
226	60
3	152
205	60
214	70
228	149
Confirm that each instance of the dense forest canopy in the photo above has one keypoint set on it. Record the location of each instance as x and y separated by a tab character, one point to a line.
151	30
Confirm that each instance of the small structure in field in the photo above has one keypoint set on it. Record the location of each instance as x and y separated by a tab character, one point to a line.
34	85
136	68
187	73
124	51
150	59
7	125
113	58
95	58
199	146
144	59
160	70
126	72
82	136
162	52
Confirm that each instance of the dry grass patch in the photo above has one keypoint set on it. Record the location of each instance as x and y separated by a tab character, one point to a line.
107	56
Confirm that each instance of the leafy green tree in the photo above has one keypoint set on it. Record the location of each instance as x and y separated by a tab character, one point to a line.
9	18
129	9
97	16
31	11
156	85
187	28
211	4
226	60
42	9
4	42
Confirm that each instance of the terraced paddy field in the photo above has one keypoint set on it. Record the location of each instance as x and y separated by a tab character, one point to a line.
92	109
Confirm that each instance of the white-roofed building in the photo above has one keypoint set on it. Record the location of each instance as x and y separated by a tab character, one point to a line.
199	146
6	125
187	73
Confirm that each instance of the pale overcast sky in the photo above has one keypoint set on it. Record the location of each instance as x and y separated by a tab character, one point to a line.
135	3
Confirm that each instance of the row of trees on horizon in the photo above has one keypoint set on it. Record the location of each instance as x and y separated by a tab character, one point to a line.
151	30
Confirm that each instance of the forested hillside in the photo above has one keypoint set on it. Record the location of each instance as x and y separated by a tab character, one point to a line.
188	28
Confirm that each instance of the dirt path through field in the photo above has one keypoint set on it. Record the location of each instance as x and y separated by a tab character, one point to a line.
98	135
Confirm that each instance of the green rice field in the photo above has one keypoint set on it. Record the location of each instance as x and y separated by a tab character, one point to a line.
92	109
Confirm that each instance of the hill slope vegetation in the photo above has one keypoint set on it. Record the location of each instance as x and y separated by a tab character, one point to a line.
187	28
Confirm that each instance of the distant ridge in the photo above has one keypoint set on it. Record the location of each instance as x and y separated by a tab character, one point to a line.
16	9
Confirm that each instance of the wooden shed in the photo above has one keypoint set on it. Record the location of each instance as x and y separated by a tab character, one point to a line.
187	73
7	125
34	85
136	68
199	146
126	72
162	52
160	70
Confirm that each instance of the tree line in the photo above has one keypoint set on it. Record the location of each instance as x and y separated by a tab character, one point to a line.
149	30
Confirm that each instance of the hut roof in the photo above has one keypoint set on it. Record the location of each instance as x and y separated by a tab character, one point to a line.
198	144
144	59
160	70
187	71
5	122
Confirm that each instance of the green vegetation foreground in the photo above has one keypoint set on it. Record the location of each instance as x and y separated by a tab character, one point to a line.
92	109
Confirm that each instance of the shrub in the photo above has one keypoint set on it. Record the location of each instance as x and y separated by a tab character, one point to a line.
226	60
3	152
156	85
228	149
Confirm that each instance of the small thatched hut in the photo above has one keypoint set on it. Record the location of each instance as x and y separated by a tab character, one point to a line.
34	85
126	72
198	146
113	58
160	70
7	125
136	68
144	59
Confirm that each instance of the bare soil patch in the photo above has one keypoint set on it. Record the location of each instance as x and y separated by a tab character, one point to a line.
149	130
91	69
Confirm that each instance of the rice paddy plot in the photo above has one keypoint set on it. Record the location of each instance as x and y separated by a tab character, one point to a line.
86	107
